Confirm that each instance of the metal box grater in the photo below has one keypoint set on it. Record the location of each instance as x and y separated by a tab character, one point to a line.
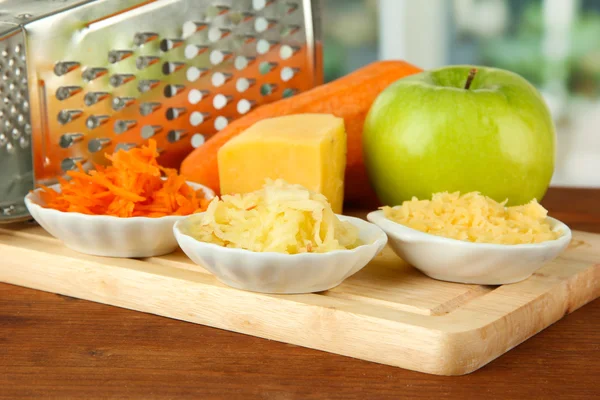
82	78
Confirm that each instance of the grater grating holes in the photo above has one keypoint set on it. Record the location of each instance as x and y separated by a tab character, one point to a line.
197	118
267	89
244	105
260	4
144	62
189	28
71	163
176	135
218	56
265	67
244	84
194	73
263	46
193	50
289	92
170	44
66	116
287	73
220	78
114	56
175	112
69	139
127	146
64	67
92	98
122	126
148	108
169	68
119	103
24	142
90	74
195	96
173	90
197	140
242	62
221	122
221	100
289	30
262	24
95	145
147	85
291	7
141	38
287	51
223	53
247	38
215	33
149	131
216	10
95	121
117	80
64	92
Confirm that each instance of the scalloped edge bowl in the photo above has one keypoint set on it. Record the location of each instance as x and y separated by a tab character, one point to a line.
108	236
279	273
467	262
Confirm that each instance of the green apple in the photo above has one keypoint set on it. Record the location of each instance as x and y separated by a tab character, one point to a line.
460	128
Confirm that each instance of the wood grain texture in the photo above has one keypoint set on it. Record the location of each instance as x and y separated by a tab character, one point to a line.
68	348
388	312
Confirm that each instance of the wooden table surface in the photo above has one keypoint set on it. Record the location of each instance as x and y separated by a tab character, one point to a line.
57	347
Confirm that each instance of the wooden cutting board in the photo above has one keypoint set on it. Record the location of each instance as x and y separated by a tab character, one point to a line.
387	313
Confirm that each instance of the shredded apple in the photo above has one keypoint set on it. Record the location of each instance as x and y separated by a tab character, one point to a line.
132	186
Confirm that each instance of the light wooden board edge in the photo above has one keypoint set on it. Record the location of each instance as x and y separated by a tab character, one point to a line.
190	296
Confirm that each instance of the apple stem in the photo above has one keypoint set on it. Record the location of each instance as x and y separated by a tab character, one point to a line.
472	73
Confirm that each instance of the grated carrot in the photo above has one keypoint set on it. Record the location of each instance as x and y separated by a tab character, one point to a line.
132	186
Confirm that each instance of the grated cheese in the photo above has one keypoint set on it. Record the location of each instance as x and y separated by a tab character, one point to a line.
475	218
279	217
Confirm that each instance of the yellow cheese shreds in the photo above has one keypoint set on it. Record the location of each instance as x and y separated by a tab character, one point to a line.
474	218
280	218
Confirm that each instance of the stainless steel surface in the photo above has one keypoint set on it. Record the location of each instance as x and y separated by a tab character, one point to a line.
82	78
16	175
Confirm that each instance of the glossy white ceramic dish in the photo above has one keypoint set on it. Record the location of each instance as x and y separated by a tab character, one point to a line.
109	236
280	273
466	262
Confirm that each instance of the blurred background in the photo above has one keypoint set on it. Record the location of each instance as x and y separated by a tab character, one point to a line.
555	44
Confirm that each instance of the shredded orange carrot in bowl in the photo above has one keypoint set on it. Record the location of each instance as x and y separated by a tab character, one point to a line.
132	186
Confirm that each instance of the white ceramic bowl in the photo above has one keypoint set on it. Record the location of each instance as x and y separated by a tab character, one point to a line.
270	272
467	262
109	236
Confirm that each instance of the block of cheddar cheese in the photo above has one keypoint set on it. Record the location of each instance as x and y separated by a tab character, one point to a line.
305	149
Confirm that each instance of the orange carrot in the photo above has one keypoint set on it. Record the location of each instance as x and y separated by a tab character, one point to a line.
132	186
348	97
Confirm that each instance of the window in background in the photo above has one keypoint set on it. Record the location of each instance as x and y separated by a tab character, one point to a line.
555	44
350	35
